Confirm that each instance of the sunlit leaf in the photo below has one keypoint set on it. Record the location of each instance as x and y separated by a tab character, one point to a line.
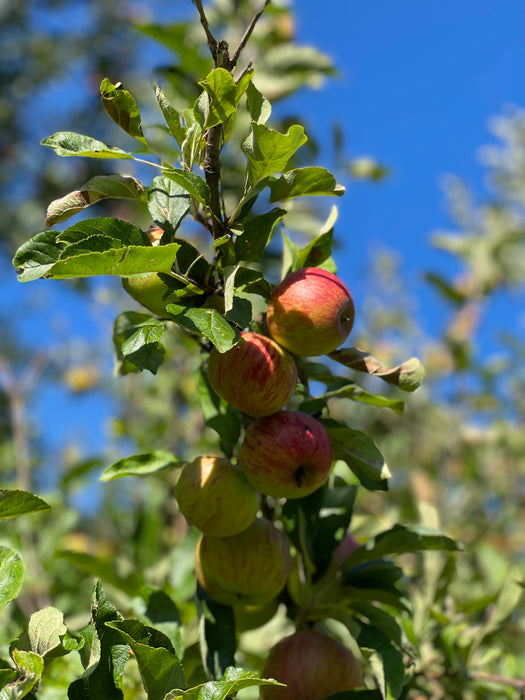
269	151
256	234
206	322
95	190
67	143
223	99
141	465
194	184
122	108
233	681
11	574
303	182
168	201
172	117
14	502
407	376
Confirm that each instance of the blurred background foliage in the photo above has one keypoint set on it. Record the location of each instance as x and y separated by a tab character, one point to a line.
457	454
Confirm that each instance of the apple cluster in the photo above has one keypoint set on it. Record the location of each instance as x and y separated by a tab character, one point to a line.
243	559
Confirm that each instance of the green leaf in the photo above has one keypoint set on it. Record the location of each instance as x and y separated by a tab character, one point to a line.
168	201
95	190
407	376
46	628
269	151
206	322
141	465
217	635
399	540
259	107
303	182
233	681
14	502
256	234
356	393
386	661
108	657
360	454
172	117
142	345
122	108
317	253
159	666
136	338
67	143
162	613
223	99
191	182
219	415
11	574
100	246
30	667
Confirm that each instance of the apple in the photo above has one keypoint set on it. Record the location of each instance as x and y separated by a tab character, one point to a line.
311	312
215	496
286	455
256	376
249	568
151	292
250	617
313	666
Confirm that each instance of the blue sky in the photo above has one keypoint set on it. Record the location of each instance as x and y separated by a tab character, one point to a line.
419	80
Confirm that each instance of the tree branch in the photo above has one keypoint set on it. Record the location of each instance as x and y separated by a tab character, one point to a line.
212	42
247	34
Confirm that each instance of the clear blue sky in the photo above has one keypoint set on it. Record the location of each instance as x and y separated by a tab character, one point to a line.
418	83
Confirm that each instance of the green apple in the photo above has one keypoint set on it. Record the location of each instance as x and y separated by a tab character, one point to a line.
311	312
151	292
215	496
286	455
313	666
250	617
256	376
250	568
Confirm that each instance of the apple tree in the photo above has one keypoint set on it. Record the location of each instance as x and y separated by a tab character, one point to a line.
263	498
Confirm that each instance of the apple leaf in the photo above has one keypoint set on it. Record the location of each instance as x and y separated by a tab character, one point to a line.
356	393
269	151
256	234
172	117
259	107
407	376
11	575
223	98
67	143
159	666
141	465
45	630
219	415
378	618
399	540
104	568
206	322
233	681
100	246
194	184
162	613
30	667
217	635
14	502
302	182
95	190
106	657
122	108
136	338
168	201
360	453
386	661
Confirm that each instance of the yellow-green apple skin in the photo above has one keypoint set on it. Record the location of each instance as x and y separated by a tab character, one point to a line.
257	375
250	568
286	455
311	312
215	496
151	292
250	617
313	666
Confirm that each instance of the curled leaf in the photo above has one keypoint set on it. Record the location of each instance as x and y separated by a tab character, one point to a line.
408	376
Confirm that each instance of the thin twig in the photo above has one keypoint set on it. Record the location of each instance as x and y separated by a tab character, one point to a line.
247	34
212	41
518	683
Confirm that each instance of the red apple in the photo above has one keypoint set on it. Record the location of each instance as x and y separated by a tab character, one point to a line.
215	496
311	312
250	568
286	455
312	665
256	376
